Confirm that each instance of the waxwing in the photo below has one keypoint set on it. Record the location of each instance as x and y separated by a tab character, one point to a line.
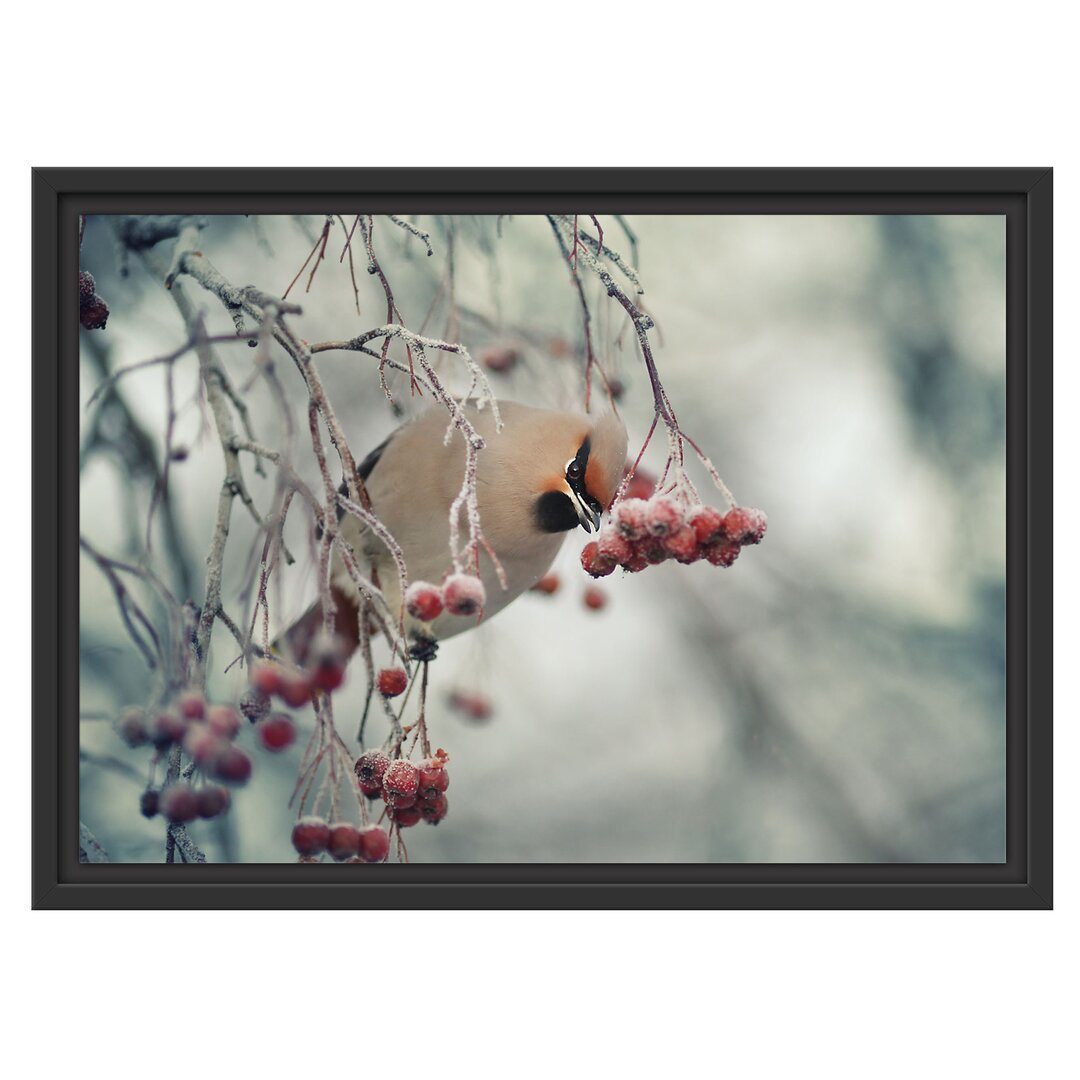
543	475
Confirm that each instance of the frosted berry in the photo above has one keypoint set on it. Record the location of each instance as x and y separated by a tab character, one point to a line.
433	780
595	599
148	803
594	563
405	817
548	585
276	733
722	553
744	525
212	800
374	844
225	720
232	765
631	518
370	768
343	841
295	689
310	835
392	681
254	704
203	744
192	705
463	594
707	523
328	670
613	545
179	803
434	810
132	727
654	551
682	544
266	678
400	779
87	286
94	313
167	728
664	517
423	601
636	563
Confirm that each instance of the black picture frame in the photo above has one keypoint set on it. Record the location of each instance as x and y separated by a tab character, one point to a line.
1024	196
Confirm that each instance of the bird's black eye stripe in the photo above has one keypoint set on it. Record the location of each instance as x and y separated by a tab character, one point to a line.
575	470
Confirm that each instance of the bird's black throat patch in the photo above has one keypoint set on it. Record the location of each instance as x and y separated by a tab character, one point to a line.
555	512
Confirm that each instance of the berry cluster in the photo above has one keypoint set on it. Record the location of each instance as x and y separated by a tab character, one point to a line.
342	840
206	732
646	532
181	803
461	594
412	793
326	672
93	311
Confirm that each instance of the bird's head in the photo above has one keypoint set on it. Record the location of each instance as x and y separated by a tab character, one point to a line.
586	457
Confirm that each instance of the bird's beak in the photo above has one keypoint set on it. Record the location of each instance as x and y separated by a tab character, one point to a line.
589	518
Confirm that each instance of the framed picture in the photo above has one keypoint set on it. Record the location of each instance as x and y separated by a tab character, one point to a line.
694	523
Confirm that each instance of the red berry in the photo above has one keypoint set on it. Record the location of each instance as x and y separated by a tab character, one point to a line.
132	727
192	705
276	733
631	518
343	841
595	564
653	549
423	601
328	670
707	523
203	744
87	286
664	516
295	689
463	594
404	817
595	599
400	779
93	313
225	720
636	563
548	584
232	765
745	525
310	835
499	358
392	681
398	801
212	800
683	544
254	704
167	728
433	780
434	810
266	678
721	553
370	768
474	706
179	803
374	844
614	546
148	803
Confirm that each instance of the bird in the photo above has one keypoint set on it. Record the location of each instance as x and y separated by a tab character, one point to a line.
545	474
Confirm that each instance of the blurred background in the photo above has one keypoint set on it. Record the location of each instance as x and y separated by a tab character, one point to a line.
838	695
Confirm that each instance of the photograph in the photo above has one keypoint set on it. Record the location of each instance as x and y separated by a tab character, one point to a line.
667	538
